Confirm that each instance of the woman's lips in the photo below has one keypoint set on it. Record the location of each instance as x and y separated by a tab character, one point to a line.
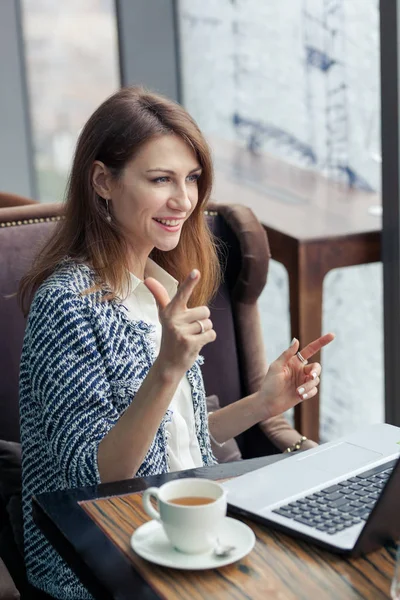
170	228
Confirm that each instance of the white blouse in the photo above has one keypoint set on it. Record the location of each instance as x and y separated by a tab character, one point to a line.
183	446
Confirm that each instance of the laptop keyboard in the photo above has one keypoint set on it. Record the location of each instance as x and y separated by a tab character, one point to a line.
342	505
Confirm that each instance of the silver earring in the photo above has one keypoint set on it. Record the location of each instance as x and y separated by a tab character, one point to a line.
108	211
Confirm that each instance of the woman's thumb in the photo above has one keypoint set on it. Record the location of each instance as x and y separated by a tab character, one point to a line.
158	290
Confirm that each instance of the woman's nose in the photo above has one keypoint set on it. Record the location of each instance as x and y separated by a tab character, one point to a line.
180	200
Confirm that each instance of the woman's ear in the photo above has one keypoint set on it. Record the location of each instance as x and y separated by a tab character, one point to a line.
101	180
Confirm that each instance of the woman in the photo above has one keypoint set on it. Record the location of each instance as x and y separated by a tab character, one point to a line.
110	384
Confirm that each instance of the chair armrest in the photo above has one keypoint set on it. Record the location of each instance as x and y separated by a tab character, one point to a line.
8	591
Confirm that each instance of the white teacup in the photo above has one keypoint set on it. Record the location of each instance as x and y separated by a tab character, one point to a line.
192	525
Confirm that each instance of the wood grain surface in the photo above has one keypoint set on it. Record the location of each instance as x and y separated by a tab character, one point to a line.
300	203
278	568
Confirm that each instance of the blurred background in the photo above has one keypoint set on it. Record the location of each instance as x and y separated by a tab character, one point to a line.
295	79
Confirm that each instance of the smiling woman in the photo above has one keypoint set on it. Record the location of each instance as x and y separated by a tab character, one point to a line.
152	210
123	154
110	384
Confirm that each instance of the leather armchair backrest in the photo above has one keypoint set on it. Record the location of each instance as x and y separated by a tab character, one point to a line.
23	230
235	363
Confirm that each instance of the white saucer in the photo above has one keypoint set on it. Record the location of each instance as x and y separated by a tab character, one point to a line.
151	543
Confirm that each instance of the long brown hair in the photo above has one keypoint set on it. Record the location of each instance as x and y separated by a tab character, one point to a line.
113	135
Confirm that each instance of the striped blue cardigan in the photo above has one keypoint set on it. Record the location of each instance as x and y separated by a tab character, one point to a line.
83	361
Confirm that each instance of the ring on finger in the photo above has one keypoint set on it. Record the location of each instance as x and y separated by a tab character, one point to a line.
301	358
202	330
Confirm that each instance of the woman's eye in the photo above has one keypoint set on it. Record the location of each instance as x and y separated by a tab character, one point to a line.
191	178
194	177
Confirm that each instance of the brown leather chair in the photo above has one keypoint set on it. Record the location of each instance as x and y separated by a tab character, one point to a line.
8	591
23	229
234	364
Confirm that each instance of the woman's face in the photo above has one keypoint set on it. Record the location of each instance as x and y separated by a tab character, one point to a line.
156	194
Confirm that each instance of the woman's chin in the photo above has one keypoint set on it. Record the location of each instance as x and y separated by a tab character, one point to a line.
166	247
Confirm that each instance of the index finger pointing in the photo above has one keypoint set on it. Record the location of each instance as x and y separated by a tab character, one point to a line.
186	288
315	346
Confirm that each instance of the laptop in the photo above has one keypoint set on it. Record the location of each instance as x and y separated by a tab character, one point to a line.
343	495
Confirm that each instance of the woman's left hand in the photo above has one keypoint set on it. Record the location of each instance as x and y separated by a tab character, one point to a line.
290	381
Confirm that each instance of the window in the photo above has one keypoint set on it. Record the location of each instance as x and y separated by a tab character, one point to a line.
72	66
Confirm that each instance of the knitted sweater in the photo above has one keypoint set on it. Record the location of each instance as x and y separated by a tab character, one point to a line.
83	361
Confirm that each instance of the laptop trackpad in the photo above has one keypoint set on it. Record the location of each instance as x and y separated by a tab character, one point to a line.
339	458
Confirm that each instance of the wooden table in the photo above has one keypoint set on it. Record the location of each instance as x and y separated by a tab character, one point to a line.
91	527
313	225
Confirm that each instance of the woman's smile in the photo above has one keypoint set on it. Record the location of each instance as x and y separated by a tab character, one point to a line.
172	225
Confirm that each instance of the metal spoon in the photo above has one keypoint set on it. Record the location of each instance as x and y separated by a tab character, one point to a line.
221	550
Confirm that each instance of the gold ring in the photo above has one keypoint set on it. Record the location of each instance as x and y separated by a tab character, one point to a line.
201	326
301	358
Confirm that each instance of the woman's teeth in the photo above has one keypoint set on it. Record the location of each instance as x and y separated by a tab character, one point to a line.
169	222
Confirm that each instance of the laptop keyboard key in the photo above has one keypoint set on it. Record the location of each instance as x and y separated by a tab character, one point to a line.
331	489
357	504
346	490
352	497
346	508
321	501
361	493
318	519
296	511
364	499
284	512
334	496
374	494
347	518
365	515
313	497
355	486
340	502
366	484
361	513
304	521
380	485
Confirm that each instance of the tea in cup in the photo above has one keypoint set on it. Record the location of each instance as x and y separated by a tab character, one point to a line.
190	511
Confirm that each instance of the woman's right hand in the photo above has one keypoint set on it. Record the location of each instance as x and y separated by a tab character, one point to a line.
182	337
